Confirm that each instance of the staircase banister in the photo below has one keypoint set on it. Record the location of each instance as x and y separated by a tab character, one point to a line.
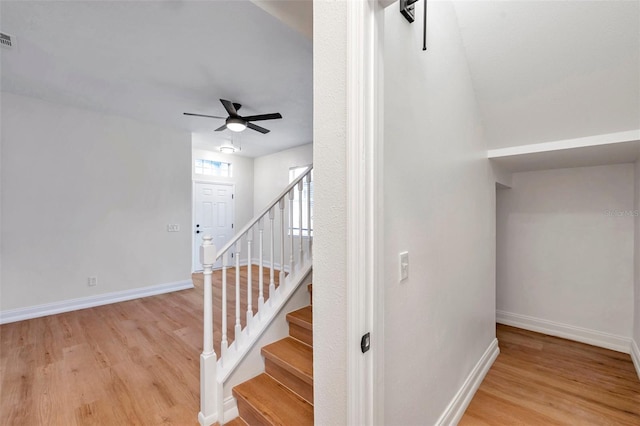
264	211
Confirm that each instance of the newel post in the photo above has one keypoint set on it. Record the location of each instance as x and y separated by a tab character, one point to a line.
208	360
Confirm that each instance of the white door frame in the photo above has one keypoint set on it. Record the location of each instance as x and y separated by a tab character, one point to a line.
365	236
195	252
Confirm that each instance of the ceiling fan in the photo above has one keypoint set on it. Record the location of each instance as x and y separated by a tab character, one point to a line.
236	122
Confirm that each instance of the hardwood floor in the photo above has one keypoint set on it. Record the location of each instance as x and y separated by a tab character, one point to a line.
129	363
137	363
544	380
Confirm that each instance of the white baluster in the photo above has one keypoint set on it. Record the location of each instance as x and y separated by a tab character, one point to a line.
308	178
238	327
208	364
249	283
300	186
281	205
272	283
291	256
260	267
224	343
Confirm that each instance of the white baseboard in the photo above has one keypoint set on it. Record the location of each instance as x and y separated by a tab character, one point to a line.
463	397
230	412
37	311
230	408
566	331
635	356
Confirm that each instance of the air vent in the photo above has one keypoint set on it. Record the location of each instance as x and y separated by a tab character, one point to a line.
7	40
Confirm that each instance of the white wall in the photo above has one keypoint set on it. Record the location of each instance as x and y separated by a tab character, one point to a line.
637	259
271	173
563	253
86	194
329	249
440	207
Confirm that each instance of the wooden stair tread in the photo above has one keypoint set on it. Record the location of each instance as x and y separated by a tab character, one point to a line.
292	355
303	317
273	402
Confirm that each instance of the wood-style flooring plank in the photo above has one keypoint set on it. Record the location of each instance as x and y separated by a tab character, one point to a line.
544	380
128	363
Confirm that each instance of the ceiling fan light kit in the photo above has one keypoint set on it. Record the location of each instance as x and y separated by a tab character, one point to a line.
236	124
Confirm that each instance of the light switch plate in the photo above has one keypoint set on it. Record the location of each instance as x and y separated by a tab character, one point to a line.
404	265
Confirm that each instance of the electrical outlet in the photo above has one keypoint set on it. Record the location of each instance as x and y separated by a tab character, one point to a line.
404	265
92	281
173	228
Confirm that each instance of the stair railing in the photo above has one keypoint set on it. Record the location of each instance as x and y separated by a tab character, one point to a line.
213	370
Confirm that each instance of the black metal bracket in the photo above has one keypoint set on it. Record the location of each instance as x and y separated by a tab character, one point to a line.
408	10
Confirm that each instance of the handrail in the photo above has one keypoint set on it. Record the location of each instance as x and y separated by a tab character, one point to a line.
264	211
214	370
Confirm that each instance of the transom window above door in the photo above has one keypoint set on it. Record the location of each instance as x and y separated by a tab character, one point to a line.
212	168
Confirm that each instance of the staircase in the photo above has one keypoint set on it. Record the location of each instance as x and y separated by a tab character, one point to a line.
283	394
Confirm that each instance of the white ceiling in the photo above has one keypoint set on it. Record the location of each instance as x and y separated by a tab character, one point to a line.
553	70
152	61
542	70
298	14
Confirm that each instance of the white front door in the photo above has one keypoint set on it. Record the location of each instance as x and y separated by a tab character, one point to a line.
213	207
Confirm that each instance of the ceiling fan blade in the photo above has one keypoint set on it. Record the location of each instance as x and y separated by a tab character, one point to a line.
221	128
202	115
228	105
237	106
258	128
261	117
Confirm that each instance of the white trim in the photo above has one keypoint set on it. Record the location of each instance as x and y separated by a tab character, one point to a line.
230	407
607	139
566	331
362	137
378	383
205	421
635	356
37	311
463	397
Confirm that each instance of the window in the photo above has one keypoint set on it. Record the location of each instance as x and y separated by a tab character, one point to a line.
294	220
212	168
